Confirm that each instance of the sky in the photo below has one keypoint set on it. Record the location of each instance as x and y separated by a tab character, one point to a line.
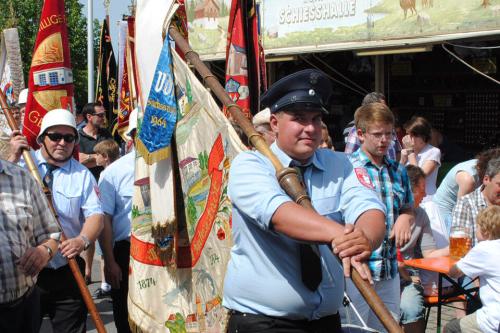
116	10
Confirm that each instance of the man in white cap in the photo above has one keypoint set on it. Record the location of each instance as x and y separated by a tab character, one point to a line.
261	122
116	185
76	201
21	104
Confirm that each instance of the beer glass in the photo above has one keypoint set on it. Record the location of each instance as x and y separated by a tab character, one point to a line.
460	241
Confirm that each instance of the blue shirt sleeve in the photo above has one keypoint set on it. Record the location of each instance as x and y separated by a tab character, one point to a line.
107	193
254	189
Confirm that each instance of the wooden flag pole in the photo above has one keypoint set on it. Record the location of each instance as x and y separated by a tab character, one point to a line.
73	265
287	177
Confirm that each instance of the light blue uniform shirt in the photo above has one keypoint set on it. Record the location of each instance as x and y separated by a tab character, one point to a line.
116	185
74	196
263	275
446	195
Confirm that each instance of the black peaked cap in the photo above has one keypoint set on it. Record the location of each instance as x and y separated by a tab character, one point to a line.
309	89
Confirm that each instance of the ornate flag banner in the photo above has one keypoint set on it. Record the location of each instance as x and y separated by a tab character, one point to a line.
11	65
160	115
244	57
184	292
124	98
158	177
50	81
107	86
12	81
188	298
122	40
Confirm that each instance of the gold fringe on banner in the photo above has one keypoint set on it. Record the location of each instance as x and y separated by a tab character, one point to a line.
151	158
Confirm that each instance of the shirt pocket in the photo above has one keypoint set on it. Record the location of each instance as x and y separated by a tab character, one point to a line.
327	206
22	238
67	203
399	196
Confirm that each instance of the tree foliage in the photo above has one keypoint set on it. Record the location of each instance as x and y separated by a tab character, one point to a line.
25	15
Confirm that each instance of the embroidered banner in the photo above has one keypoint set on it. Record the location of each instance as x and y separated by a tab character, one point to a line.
187	296
160	114
245	66
107	85
50	80
124	97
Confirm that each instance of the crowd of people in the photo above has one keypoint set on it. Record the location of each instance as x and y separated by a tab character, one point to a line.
375	205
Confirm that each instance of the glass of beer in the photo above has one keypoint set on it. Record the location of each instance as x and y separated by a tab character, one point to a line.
460	241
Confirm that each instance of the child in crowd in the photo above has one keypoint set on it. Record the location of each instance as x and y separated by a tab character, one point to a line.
421	245
107	151
482	262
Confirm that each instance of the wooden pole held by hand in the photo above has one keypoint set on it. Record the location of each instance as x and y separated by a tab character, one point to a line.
288	179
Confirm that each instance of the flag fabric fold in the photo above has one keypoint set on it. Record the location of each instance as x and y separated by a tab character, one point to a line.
124	97
50	81
107	85
245	67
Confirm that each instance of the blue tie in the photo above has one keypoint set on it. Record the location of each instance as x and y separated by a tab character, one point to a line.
49	175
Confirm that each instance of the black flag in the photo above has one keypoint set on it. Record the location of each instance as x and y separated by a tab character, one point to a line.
107	85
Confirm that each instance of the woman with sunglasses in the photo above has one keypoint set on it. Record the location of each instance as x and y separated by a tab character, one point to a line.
79	210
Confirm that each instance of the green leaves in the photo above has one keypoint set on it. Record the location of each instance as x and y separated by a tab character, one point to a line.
25	15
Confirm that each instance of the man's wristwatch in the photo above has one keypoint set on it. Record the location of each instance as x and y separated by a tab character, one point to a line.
49	250
86	242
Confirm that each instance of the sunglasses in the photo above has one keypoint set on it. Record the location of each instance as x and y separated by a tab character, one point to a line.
56	137
100	115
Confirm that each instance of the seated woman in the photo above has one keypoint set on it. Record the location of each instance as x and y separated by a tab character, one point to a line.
462	179
421	245
417	151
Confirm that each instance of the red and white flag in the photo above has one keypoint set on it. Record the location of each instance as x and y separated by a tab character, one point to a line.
245	67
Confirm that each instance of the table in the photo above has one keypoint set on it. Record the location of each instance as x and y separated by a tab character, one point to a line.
442	265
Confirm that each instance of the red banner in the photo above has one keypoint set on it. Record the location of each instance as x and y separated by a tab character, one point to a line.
245	67
50	81
126	106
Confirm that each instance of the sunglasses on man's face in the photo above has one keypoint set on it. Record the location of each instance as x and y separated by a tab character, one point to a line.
56	137
100	115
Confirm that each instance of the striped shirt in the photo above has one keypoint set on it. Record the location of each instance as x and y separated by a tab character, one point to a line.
392	184
466	210
25	221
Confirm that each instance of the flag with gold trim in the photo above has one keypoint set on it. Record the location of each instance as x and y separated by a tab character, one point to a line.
107	86
50	80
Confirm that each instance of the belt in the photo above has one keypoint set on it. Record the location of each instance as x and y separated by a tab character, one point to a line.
298	321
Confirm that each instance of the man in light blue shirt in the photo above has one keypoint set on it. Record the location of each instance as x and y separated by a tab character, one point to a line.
117	185
266	285
75	199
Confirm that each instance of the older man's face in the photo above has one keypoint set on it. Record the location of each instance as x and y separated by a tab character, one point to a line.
491	189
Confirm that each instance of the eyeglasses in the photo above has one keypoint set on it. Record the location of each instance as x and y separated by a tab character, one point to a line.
100	115
56	137
379	136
